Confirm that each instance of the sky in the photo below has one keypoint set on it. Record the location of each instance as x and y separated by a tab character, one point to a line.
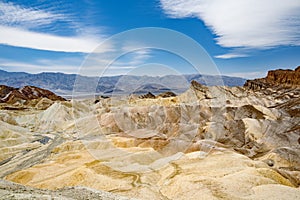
110	37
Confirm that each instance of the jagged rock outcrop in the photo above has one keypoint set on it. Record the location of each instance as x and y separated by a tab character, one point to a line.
276	78
167	94
290	78
149	95
12	95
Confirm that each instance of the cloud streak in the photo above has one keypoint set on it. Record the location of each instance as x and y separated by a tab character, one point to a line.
15	15
17	24
249	24
231	55
38	66
28	39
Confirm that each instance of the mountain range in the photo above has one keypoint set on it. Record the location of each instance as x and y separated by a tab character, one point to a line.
63	84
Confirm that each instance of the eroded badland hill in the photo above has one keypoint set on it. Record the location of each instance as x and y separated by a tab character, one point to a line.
213	142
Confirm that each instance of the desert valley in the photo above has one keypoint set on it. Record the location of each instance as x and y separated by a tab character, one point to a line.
208	142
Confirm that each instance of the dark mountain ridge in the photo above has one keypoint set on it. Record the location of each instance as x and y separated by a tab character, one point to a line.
64	83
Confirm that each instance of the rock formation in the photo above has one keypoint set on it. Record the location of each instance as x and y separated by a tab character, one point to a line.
25	94
149	95
167	94
277	78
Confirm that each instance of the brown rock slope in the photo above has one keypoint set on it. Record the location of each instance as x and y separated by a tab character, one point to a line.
12	95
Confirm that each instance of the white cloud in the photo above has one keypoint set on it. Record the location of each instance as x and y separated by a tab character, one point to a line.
16	15
231	55
65	66
16	23
252	24
28	39
140	56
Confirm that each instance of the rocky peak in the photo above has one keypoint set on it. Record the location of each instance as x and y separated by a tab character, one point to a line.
197	86
286	78
26	93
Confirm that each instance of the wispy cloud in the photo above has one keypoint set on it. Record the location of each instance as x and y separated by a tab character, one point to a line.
252	24
42	65
140	56
16	15
118	61
231	55
28	39
17	24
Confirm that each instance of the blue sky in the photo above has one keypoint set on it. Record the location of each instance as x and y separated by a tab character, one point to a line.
243	38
